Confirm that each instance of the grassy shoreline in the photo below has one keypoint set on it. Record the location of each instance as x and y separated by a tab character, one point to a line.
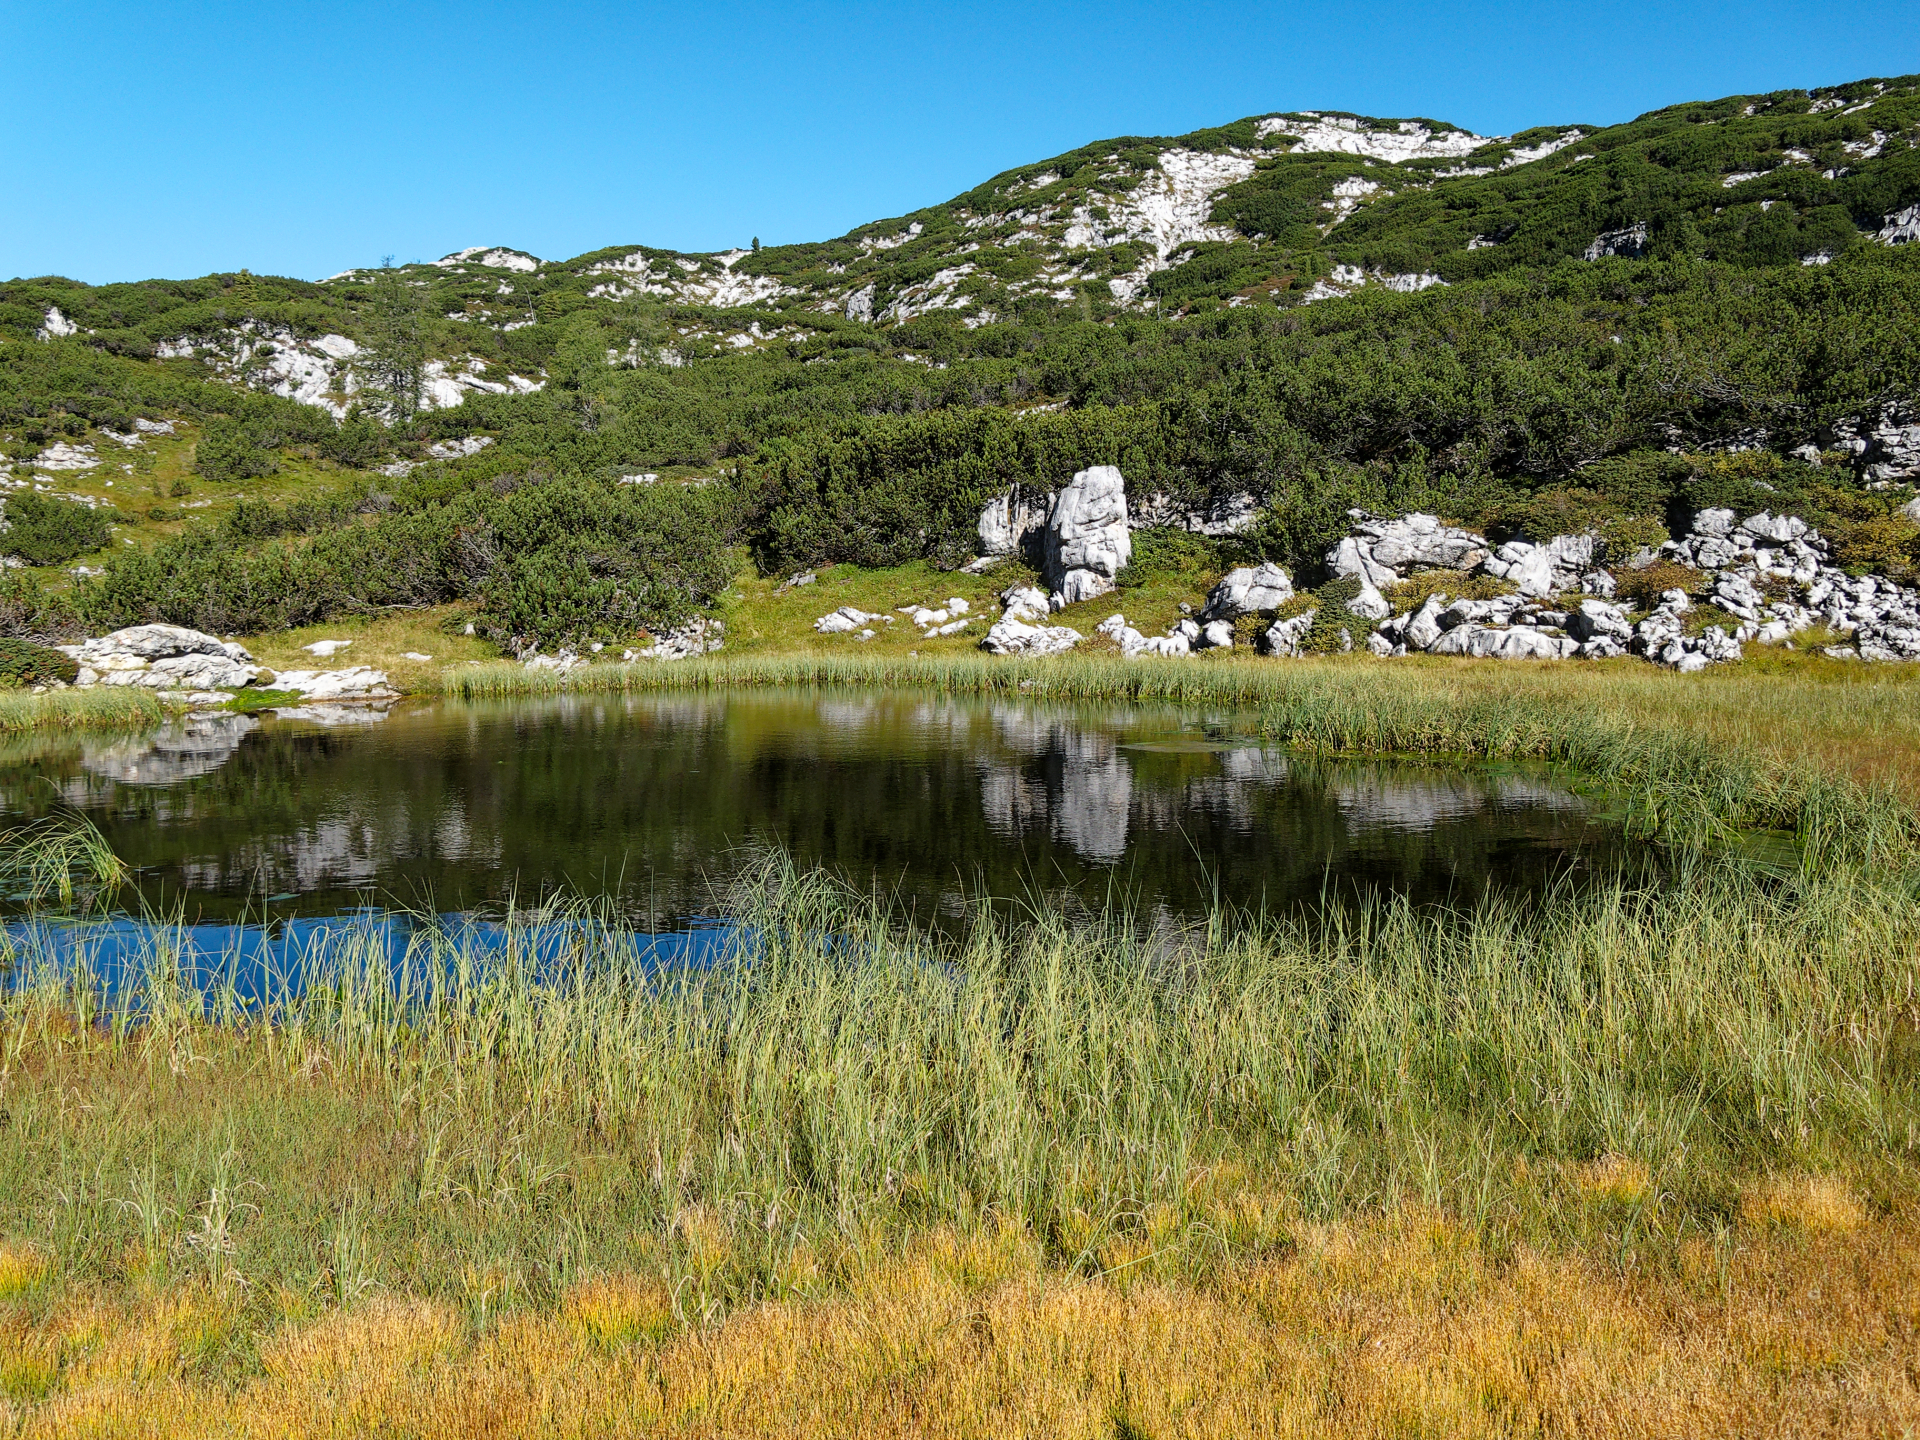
759	1197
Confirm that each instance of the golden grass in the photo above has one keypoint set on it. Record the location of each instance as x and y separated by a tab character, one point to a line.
1401	1326
21	1268
381	641
1817	1204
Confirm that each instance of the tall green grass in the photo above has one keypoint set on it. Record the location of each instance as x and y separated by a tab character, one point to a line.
838	1078
106	708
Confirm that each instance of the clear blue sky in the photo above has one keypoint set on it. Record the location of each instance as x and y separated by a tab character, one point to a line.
301	138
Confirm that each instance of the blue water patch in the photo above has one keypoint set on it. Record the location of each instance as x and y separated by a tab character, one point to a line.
252	967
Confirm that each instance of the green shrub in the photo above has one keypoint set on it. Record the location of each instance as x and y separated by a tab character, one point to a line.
1332	617
236	450
24	663
1645	587
1163	553
1625	536
1410	594
45	530
29	612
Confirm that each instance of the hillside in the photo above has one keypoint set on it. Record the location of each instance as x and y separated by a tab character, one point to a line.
1281	318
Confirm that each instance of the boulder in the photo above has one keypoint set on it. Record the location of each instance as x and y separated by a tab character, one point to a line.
1417	542
1026	603
1249	590
1597	618
1283	637
1370	604
1087	541
1010	636
845	619
1352	557
1215	635
163	657
1528	568
1010	523
1422	628
357	682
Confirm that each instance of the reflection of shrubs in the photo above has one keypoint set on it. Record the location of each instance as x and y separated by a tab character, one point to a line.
24	663
43	530
1645	587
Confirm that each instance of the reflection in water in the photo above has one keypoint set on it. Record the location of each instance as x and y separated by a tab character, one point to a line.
180	750
656	800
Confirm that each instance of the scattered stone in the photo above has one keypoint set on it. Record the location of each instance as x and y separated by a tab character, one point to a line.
844	620
1010	636
414	655
1133	644
699	636
326	649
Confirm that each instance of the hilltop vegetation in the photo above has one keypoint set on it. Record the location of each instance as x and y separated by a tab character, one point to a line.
1570	326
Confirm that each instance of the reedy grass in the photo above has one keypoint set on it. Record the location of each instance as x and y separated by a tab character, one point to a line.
1610	1124
1599	1134
119	707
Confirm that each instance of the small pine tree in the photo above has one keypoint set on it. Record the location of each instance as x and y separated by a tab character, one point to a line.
756	244
394	362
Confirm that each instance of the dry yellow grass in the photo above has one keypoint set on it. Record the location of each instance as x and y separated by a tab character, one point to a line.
1406	1326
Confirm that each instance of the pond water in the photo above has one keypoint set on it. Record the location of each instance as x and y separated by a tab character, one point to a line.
656	801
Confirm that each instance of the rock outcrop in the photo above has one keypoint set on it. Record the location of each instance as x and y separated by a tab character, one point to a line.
163	657
1019	630
1249	590
195	668
1087	540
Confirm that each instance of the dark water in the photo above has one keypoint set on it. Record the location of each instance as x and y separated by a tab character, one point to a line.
657	801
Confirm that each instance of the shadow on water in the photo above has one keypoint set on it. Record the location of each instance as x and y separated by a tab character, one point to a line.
256	830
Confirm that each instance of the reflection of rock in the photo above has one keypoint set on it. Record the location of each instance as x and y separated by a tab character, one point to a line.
1083	790
197	745
331	715
1382	800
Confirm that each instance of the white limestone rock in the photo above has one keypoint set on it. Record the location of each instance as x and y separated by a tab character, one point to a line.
1087	541
1283	637
1011	523
1026	603
1010	636
1248	590
357	682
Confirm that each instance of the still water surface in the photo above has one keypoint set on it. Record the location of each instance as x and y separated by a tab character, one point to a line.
656	801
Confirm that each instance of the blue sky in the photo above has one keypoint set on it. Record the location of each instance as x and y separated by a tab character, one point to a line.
300	138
